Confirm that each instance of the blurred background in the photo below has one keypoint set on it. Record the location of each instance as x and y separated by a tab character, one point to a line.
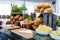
6	5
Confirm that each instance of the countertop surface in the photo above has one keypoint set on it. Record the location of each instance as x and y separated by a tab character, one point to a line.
11	27
23	34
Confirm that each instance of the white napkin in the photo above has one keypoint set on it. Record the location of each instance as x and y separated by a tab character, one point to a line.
27	31
7	25
37	14
21	22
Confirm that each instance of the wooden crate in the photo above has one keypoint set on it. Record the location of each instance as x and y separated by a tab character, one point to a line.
54	21
50	20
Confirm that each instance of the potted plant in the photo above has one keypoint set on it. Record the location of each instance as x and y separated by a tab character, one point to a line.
58	24
17	10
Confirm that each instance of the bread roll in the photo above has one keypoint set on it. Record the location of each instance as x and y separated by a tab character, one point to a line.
39	6
20	18
36	10
41	10
38	21
26	21
17	17
48	10
46	5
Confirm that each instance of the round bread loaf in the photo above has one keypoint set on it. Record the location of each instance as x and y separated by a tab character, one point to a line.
17	16
46	5
48	10
36	10
41	10
39	6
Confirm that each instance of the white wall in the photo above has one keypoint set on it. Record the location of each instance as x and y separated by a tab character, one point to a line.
58	7
5	9
30	6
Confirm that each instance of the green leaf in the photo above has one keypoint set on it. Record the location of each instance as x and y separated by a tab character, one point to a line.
58	22
17	9
29	17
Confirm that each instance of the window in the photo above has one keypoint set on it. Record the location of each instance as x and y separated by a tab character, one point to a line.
30	6
5	9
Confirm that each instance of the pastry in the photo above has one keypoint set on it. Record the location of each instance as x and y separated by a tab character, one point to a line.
48	10
39	6
41	10
46	5
36	10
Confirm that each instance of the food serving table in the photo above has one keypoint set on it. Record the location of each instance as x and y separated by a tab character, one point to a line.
19	35
7	30
15	34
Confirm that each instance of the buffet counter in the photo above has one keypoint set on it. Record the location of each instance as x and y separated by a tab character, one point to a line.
6	29
26	33
18	34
